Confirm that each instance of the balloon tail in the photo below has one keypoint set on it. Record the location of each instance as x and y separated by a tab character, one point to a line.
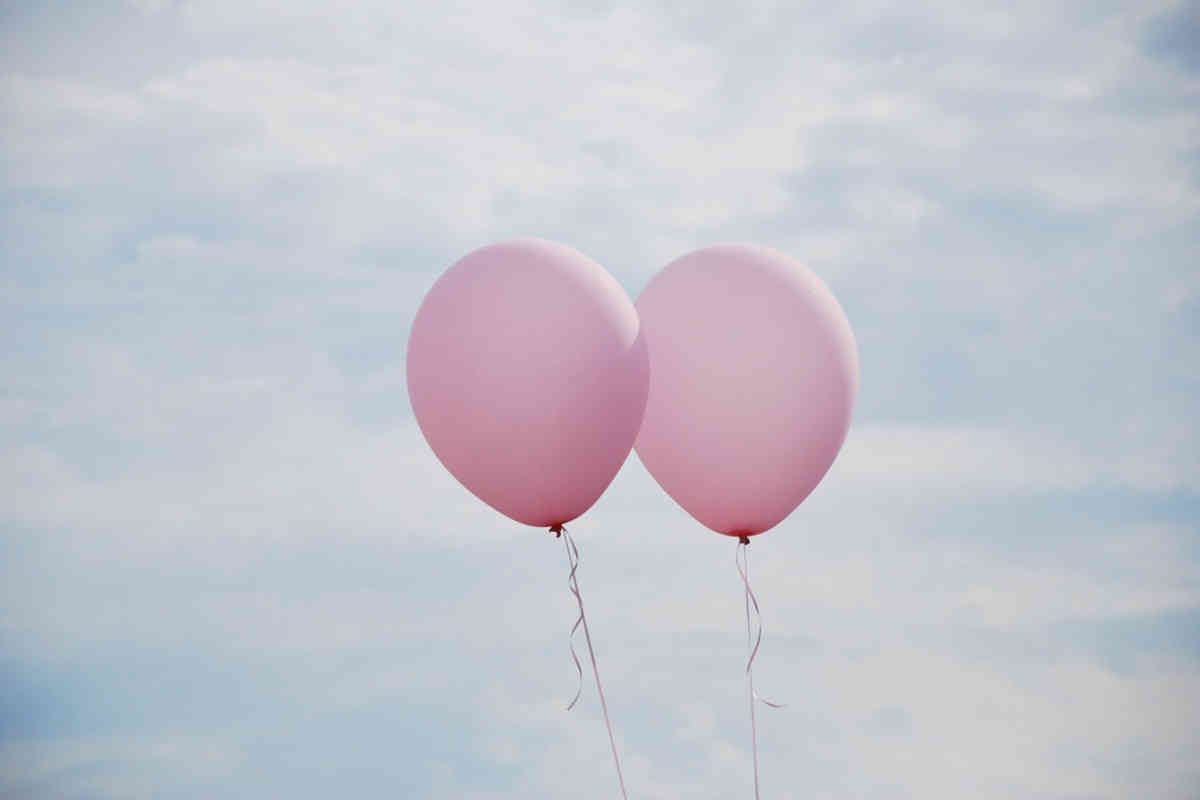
573	585
753	640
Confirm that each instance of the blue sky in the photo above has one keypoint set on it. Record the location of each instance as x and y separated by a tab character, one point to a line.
230	566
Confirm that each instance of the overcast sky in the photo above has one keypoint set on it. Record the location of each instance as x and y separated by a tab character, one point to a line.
231	567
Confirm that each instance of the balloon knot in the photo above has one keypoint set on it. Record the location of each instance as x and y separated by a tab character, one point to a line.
743	540
557	530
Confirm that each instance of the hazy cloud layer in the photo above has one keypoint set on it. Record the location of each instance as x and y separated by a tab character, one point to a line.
229	565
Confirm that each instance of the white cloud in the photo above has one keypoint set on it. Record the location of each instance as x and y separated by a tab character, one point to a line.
974	459
219	232
82	765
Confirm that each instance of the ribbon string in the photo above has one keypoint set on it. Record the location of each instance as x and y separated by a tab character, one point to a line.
573	585
753	641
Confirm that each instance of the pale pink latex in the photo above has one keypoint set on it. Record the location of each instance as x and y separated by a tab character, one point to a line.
528	377
753	374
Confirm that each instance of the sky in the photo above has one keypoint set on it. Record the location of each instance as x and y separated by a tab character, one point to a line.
231	567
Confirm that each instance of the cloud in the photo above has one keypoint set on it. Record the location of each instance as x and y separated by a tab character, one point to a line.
995	461
231	565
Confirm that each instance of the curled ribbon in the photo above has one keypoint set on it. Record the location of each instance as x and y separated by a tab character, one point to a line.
753	640
573	585
742	558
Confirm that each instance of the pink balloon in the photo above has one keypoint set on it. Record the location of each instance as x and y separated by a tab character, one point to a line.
753	373
528	376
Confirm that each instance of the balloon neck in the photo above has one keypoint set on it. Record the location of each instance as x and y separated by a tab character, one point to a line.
557	530
743	540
